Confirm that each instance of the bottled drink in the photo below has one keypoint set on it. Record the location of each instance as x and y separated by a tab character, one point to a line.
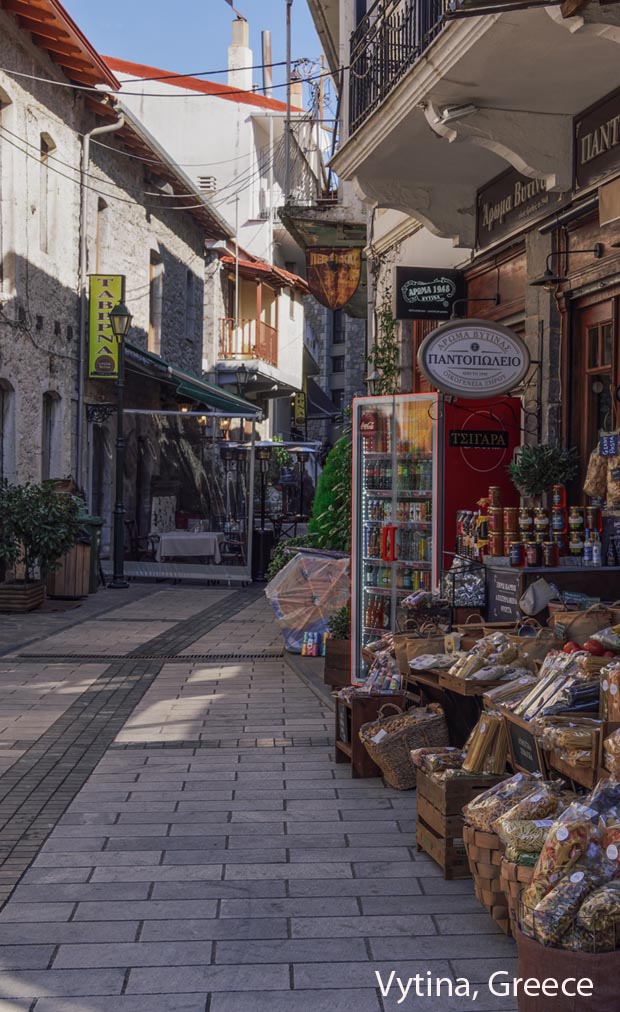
588	550
597	550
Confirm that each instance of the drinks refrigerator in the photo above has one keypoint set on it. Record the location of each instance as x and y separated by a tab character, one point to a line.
417	459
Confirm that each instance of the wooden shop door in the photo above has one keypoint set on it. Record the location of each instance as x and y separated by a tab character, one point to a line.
593	377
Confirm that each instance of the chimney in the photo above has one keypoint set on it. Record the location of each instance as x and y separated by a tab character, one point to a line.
240	56
297	91
267	68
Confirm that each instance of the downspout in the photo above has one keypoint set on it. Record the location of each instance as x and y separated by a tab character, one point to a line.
79	424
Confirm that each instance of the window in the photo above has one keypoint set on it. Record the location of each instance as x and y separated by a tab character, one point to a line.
101	238
49	418
190	306
338	327
338	363
45	192
338	399
291	305
7	432
156	301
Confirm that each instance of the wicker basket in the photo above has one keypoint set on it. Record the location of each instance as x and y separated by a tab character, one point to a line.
417	728
513	879
484	851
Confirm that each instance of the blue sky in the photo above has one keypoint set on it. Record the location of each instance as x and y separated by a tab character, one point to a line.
191	35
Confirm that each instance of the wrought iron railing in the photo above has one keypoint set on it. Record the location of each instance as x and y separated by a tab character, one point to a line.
386	43
248	339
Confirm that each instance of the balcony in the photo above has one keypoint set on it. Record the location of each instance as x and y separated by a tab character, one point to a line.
386	43
248	339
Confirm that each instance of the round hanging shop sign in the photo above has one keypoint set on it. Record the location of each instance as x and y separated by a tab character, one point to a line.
473	358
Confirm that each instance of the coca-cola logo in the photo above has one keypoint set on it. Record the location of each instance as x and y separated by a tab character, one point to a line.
368	424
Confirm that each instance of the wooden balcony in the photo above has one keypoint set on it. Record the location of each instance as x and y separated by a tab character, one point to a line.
248	339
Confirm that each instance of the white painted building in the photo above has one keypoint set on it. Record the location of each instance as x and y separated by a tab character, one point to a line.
229	138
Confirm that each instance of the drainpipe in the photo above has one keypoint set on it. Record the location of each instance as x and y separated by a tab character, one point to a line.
85	164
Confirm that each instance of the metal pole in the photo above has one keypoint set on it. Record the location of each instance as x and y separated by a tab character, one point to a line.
237	263
118	579
287	125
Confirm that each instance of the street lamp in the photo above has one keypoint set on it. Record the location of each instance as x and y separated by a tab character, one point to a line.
242	374
302	459
261	541
120	322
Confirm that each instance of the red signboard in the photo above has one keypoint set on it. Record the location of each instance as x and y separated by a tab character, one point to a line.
333	274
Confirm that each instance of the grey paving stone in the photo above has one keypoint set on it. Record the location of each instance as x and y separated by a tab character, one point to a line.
288	907
439	886
238	856
479	970
232	830
68	983
55	933
227	979
217	929
215	890
168	843
443	904
80	891
317	828
53	876
133	859
36	912
441	947
123	1003
350	975
250	872
460	924
297	950
361	926
186	953
24	957
145	910
355	854
171	873
72	845
396	869
356	887
299	1001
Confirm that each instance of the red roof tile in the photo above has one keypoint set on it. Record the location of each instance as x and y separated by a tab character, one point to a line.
197	84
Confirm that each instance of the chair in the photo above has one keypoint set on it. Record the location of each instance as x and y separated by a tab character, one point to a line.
141	548
232	550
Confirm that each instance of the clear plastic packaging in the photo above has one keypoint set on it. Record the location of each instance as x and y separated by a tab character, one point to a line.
483	811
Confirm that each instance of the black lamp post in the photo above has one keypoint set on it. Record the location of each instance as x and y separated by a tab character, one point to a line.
242	374
263	454
120	322
302	459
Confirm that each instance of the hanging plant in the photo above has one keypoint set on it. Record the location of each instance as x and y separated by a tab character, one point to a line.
384	356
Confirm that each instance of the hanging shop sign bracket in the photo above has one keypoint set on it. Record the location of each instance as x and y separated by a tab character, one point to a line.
474	358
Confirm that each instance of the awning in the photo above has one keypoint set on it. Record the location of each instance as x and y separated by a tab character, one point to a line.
320	405
187	385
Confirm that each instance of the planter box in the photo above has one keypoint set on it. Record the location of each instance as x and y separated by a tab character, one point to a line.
19	598
337	671
71	579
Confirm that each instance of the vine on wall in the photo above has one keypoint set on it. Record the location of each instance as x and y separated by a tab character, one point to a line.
384	356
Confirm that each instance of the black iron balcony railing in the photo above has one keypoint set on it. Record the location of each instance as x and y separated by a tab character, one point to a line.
385	44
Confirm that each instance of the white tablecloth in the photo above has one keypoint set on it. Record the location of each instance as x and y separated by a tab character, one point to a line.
179	543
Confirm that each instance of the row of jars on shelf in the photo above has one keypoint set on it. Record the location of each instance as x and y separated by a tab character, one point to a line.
528	521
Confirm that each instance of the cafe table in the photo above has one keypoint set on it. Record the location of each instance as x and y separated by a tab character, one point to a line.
177	544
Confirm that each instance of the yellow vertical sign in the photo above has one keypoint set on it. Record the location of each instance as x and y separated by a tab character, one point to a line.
105	291
300	408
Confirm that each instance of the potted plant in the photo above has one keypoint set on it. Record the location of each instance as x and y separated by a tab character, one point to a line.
338	649
539	466
37	527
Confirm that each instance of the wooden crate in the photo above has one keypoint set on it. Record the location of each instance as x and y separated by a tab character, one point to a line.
19	597
337	671
485	852
439	829
513	879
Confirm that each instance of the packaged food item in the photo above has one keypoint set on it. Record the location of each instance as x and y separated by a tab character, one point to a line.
483	811
521	856
555	913
609	637
540	803
565	845
600	911
489	651
511	692
486	749
610	692
527	835
436	760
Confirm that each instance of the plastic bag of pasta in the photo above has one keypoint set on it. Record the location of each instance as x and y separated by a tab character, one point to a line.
555	913
580	939
565	845
527	835
482	812
600	911
541	802
521	857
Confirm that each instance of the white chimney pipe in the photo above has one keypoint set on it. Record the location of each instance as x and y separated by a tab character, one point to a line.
240	56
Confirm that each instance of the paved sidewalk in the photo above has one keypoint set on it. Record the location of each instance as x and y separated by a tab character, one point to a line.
215	859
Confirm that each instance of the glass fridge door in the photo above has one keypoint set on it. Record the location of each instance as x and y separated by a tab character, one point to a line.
394	520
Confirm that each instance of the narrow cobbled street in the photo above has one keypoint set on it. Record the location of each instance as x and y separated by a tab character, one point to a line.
176	836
